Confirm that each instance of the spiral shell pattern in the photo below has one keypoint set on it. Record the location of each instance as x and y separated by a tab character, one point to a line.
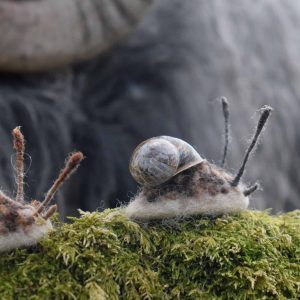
158	159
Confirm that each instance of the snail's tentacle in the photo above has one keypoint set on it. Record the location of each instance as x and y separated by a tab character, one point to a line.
50	212
225	108
19	146
266	111
71	166
251	189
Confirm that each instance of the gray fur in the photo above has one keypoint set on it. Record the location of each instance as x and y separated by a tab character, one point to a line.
163	80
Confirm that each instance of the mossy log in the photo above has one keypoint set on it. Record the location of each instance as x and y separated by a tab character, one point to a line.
251	255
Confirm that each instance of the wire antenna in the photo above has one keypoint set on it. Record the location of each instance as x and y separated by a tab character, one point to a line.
71	166
19	146
265	113
225	108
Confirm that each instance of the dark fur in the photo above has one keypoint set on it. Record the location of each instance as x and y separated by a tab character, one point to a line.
161	81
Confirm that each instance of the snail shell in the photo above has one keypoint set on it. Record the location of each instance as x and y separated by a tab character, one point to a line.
158	159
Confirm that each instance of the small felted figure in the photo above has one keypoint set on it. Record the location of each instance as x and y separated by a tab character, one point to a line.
21	223
176	181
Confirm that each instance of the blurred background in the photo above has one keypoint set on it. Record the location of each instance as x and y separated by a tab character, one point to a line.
101	76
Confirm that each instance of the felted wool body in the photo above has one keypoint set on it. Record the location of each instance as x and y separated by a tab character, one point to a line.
19	227
203	189
24	237
232	202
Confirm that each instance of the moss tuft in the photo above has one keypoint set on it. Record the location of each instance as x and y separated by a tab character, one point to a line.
251	255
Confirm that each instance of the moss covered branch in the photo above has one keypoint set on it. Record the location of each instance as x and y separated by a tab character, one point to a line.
106	256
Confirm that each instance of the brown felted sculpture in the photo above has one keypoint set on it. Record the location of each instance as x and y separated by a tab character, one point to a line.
176	181
21	223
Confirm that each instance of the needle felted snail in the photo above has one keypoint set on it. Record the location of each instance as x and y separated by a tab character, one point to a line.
21	223
176	181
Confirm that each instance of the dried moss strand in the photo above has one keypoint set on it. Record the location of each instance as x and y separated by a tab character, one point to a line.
266	111
70	167
19	146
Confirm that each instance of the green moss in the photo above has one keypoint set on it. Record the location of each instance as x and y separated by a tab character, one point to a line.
106	256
